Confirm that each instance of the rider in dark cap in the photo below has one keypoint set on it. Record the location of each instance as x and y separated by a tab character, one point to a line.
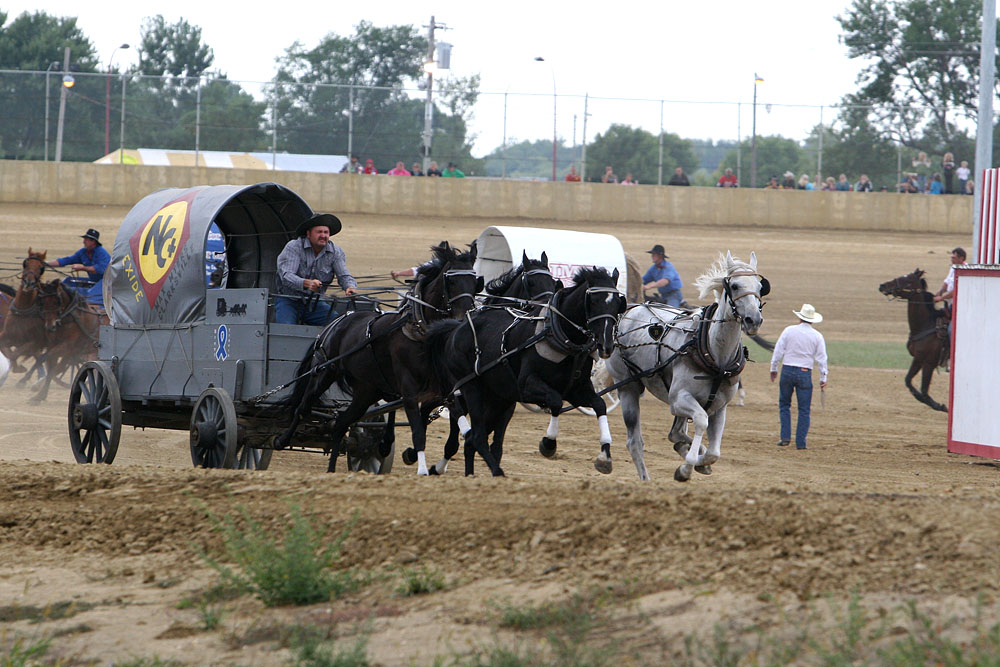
92	259
306	267
663	277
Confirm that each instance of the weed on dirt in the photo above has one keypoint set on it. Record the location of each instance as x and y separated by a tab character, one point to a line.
292	569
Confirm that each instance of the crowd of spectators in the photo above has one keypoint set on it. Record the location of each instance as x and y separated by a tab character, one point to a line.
354	166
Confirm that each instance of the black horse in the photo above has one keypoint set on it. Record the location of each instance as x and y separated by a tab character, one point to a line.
925	343
380	356
517	288
499	358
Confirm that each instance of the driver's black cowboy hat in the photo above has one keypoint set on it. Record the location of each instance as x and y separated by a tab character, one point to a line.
318	219
92	234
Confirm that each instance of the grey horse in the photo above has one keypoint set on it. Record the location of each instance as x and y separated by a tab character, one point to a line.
689	359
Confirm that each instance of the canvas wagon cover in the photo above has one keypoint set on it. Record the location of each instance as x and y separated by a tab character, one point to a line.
157	272
501	248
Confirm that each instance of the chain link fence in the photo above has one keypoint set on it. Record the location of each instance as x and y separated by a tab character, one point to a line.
98	114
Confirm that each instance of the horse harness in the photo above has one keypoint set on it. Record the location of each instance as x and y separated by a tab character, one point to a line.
417	329
72	308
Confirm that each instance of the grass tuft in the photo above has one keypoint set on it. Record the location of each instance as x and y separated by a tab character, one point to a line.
420	581
294	569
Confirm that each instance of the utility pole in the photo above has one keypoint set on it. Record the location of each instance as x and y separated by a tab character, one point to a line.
583	140
62	107
429	104
984	133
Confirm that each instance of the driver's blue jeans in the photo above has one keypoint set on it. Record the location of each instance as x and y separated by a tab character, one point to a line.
798	380
296	311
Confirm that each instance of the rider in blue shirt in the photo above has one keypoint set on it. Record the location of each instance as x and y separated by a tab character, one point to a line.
663	277
92	259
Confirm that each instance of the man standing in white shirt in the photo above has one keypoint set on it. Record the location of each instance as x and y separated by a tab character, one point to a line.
798	349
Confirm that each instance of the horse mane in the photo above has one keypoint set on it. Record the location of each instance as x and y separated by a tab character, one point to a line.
590	274
711	281
442	254
500	284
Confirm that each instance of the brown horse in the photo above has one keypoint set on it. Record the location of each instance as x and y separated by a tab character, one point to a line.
924	344
22	333
72	327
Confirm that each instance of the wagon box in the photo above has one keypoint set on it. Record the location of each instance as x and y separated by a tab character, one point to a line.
179	354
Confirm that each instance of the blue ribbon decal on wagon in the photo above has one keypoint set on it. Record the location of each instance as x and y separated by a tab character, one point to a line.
222	341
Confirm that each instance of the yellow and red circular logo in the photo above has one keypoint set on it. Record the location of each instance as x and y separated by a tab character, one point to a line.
157	244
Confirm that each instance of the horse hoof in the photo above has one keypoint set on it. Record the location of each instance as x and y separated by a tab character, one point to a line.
498	473
409	456
547	448
433	471
603	465
704	470
679	476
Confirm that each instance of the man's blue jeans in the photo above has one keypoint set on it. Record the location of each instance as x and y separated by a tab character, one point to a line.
799	380
671	298
296	311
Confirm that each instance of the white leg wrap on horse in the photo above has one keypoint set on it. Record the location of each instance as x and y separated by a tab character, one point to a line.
552	432
602	423
422	463
694	455
464	426
441	466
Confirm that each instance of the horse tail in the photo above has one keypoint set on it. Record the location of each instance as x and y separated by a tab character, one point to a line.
302	379
437	339
763	342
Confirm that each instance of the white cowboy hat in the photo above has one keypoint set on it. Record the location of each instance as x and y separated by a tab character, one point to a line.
808	314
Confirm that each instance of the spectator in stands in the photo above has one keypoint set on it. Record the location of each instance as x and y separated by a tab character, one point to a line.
788	181
829	185
843	185
772	184
352	166
948	170
609	175
863	184
452	171
399	170
572	176
370	167
433	170
804	183
909	185
417	169
963	176
679	177
883	189
922	167
728	180
936	187
970	187
629	180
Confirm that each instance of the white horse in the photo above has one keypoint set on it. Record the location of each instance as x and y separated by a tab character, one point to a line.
689	359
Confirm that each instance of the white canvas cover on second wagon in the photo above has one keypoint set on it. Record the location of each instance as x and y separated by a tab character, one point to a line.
500	248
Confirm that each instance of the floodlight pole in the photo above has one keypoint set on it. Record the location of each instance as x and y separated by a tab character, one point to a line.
62	107
984	131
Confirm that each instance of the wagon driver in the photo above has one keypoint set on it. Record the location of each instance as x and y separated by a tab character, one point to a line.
306	267
92	259
663	277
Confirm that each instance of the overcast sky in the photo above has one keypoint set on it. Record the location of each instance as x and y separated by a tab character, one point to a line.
699	57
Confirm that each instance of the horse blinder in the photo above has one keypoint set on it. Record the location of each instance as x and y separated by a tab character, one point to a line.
765	286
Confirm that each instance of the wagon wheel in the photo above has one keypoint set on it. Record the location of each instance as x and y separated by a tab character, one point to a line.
214	432
251	458
95	414
601	378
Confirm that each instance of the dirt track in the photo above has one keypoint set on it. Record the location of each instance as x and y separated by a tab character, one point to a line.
876	505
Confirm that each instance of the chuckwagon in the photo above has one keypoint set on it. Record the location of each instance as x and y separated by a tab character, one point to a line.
181	354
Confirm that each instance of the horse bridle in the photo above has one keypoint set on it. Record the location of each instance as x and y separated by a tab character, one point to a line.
527	287
732	297
34	279
591	339
451	273
897	291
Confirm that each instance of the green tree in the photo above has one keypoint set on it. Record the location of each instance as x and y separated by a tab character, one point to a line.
922	75
531	159
164	99
636	151
775	156
32	42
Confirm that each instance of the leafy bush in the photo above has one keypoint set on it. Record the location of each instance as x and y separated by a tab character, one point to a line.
294	569
421	581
